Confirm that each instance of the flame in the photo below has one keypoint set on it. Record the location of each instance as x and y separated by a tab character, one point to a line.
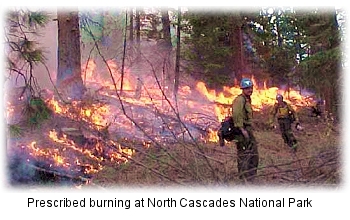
95	114
62	156
69	155
50	153
91	77
69	143
212	136
261	98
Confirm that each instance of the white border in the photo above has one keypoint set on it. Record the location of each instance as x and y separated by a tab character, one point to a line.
328	203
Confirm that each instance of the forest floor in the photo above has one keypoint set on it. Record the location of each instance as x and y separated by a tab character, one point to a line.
317	162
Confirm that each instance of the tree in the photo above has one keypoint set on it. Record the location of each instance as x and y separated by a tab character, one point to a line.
124	53
236	43
23	54
320	69
166	26
69	80
278	43
22	51
131	30
177	59
214	46
138	26
165	48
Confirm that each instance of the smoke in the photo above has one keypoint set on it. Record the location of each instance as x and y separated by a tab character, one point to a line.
20	171
25	169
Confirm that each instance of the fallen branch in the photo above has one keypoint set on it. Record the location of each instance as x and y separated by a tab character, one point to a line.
56	173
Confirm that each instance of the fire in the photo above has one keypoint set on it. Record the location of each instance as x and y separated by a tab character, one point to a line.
95	114
70	144
48	153
92	78
59	159
212	136
120	152
65	153
221	101
261	98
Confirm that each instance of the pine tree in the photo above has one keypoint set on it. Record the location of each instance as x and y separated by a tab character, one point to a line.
69	80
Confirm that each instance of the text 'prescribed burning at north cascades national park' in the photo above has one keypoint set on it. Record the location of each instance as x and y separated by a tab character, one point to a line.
171	203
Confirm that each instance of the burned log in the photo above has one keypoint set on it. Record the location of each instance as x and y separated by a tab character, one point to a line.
25	169
59	177
73	134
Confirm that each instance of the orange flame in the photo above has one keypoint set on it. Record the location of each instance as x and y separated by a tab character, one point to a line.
260	98
91	77
96	114
62	155
99	114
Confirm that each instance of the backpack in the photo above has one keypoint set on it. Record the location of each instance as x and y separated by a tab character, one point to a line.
227	130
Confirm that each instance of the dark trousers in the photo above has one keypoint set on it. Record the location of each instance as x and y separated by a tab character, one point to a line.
286	131
247	156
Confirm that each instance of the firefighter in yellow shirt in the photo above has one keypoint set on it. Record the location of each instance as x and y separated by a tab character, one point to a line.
285	115
242	114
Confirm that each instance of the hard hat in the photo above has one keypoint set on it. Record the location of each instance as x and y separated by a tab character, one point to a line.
246	83
279	96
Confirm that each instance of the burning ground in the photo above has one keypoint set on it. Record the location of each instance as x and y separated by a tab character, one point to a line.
144	137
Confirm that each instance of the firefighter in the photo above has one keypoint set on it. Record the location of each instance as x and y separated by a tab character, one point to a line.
285	116
242	114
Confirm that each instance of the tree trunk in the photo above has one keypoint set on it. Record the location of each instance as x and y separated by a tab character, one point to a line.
166	26
69	81
131	33
165	48
237	47
138	56
124	53
177	61
336	87
138	25
138	33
